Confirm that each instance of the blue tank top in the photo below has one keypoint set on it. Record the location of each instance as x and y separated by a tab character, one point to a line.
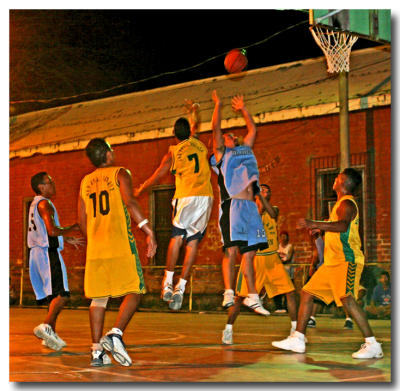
37	232
236	170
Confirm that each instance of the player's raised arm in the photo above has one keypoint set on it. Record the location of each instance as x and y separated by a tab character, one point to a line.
192	109
218	139
238	105
162	170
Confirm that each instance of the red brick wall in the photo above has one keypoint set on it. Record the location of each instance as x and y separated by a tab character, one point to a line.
283	151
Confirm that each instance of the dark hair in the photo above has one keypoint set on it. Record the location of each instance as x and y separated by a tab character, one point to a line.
97	150
353	179
284	233
37	180
182	129
385	273
265	185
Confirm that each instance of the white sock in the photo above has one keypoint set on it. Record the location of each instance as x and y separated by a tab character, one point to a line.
229	291
349	319
370	339
181	284
294	324
96	346
114	330
253	296
228	327
168	277
311	317
298	335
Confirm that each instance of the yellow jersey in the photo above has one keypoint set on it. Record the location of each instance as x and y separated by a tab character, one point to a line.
191	169
108	221
343	246
271	230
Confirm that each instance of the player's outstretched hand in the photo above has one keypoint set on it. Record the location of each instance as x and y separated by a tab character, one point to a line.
76	242
151	245
237	103
215	97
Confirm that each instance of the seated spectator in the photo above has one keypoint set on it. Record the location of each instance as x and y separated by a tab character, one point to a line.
381	301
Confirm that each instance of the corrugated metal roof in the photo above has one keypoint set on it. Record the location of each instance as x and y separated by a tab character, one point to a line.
293	90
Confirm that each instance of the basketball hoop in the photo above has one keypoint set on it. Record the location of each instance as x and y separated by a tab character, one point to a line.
336	46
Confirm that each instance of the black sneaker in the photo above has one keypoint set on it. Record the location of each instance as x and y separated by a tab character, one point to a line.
348	324
311	323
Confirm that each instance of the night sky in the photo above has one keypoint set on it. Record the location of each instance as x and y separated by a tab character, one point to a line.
80	55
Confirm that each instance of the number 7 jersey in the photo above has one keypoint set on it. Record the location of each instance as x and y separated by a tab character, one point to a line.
191	169
108	222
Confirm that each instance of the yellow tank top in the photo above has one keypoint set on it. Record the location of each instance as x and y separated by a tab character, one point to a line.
343	246
107	218
271	230
191	169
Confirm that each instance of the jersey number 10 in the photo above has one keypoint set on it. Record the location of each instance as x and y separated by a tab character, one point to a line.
104	202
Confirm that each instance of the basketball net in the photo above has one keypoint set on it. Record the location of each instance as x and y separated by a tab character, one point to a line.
336	46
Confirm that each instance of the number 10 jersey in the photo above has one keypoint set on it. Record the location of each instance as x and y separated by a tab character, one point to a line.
108	222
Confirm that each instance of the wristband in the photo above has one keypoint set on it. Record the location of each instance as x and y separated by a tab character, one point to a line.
142	223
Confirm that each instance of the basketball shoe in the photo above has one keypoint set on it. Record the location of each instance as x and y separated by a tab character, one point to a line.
115	345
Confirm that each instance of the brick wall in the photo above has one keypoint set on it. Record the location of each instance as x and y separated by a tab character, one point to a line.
283	151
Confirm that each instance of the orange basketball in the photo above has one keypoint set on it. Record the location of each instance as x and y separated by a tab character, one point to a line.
235	60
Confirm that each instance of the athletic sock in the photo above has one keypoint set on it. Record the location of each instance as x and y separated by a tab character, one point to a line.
115	330
168	277
96	346
370	339
181	284
349	319
253	296
228	327
299	335
311	317
229	291
294	323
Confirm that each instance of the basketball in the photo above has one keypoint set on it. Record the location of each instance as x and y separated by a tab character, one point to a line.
235	60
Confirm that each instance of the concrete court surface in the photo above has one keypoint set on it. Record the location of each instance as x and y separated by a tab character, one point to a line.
186	347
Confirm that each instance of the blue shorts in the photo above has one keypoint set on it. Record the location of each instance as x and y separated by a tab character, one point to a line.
241	226
47	273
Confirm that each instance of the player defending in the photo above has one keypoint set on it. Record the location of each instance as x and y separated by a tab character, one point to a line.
270	273
240	223
113	269
339	277
46	266
192	201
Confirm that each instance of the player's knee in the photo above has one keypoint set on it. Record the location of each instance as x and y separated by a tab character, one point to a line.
100	302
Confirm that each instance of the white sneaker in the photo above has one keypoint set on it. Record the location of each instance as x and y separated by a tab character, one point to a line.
229	297
166	292
292	343
100	358
115	345
369	350
256	306
227	337
60	341
45	332
176	299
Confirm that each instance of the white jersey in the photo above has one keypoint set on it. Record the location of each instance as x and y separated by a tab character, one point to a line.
37	232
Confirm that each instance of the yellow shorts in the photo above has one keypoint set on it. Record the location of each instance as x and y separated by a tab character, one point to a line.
113	277
330	283
269	274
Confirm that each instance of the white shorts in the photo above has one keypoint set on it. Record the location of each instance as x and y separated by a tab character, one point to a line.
190	216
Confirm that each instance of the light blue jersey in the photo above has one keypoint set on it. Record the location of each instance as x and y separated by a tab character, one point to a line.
236	170
47	270
37	233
